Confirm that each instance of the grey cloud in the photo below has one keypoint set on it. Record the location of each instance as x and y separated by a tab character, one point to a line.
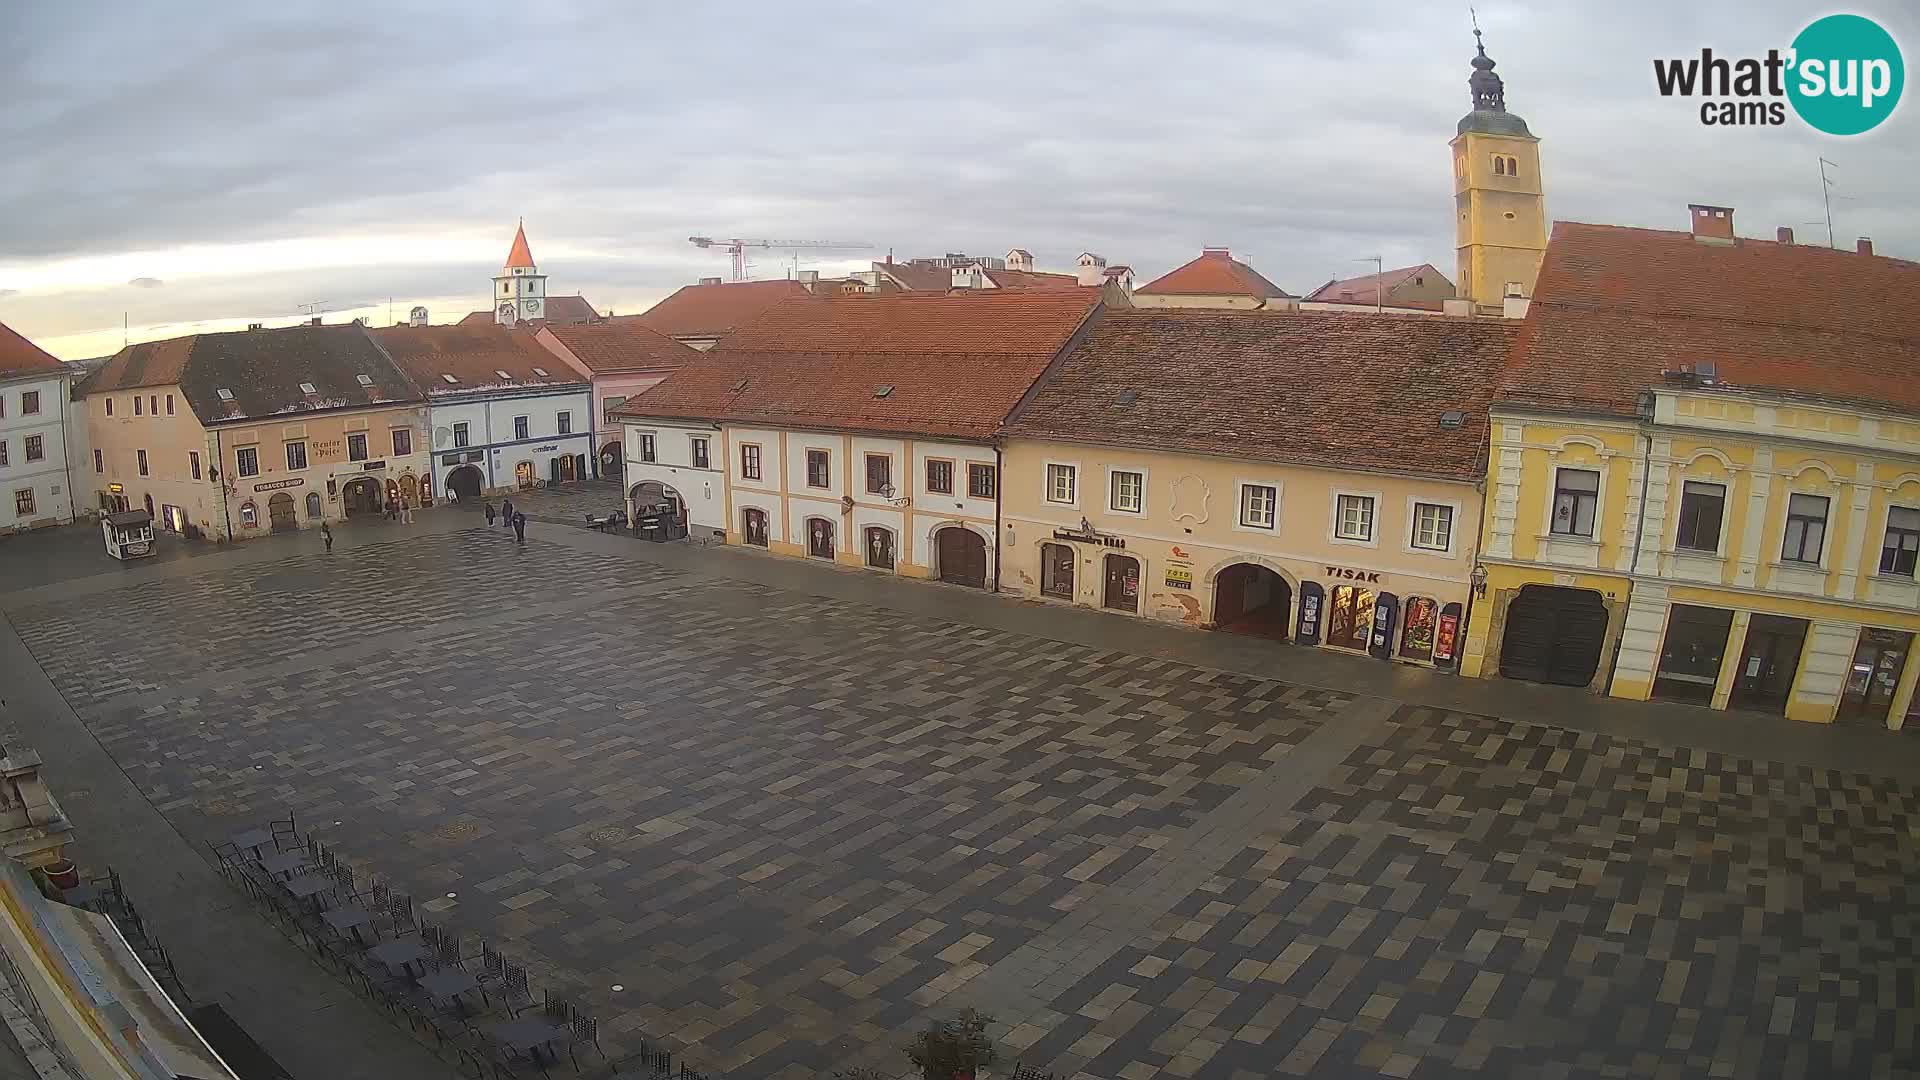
146	283
1142	133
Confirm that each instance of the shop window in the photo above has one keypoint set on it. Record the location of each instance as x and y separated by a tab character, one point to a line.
1691	654
879	548
249	515
749	462
1416	637
1806	529
1702	507
648	452
939	476
1062	483
1576	498
402	441
1353	517
1056	571
463	436
246	461
1432	528
140	457
981	481
880	475
1127	491
1899	550
357	446
819	469
1259	505
1350	617
296	456
698	446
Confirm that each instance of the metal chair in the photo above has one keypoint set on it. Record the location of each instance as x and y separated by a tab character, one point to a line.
493	964
400	912
514	992
556	1009
228	859
448	951
585	1030
286	834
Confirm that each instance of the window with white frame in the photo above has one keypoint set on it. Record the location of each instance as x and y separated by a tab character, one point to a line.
296	456
462	435
1258	505
648	451
246	460
36	447
1127	491
1432	526
749	461
1901	549
520	427
357	446
1353	517
1060	483
1806	529
698	445
1576	498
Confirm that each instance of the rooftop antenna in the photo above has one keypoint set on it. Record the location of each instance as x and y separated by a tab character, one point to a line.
1379	272
1826	196
312	307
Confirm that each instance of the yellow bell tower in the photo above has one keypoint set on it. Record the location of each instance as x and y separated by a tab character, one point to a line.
1500	227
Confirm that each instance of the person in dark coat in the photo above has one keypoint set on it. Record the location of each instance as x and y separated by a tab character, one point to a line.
488	507
520	527
326	534
506	507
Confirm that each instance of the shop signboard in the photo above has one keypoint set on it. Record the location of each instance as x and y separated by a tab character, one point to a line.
1179	577
275	485
1444	637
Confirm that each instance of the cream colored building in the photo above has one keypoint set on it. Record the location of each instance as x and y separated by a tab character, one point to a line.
236	435
1214	280
1212	468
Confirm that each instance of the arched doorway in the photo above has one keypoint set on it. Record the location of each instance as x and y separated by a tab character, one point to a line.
753	526
280	512
1555	635
361	496
963	556
610	461
523	474
651	493
879	547
1123	583
313	506
820	538
563	471
410	490
466	481
1252	599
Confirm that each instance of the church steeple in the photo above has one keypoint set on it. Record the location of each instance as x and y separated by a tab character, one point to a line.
519	289
1488	92
1499	201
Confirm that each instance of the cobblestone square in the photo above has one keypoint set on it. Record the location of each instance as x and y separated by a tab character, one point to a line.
792	826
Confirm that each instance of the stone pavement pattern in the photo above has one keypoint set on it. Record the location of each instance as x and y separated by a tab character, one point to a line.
792	826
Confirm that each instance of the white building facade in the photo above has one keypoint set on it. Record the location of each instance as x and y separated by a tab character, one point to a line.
35	445
682	464
507	439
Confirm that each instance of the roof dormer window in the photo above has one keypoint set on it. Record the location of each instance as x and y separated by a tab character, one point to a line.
448	379
503	374
542	372
307	388
364	380
224	394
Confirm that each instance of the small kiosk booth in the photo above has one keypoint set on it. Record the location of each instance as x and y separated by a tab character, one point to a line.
129	534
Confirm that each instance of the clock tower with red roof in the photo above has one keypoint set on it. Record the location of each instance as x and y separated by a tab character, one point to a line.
519	289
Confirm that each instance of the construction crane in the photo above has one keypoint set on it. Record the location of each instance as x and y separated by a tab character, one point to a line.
737	248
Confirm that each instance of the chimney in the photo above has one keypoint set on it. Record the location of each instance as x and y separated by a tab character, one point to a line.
809	277
1783	235
1864	245
256	326
709	281
1712	224
315	321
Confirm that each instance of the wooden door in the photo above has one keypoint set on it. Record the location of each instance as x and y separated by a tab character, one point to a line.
754	527
1123	583
820	538
280	510
879	548
963	557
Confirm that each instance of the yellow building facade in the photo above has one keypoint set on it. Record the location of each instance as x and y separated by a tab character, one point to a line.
1747	551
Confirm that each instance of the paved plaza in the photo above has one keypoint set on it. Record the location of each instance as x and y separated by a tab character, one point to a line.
792	824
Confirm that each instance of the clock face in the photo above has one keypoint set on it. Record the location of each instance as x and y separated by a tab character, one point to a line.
530	305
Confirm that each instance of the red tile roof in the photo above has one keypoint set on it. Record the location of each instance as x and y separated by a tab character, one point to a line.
1337	389
1360	290
18	355
620	345
475	355
1215	273
1614	307
520	254
713	311
919	278
1033	279
953	363
560	309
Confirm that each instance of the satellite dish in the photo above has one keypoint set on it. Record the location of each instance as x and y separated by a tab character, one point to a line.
442	436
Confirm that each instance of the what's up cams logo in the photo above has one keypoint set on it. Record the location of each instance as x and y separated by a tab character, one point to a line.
1843	75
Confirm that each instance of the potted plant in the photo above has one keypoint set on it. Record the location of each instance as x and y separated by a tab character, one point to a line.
953	1049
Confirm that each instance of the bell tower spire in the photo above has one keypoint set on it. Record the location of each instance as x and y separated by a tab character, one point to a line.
1500	228
519	289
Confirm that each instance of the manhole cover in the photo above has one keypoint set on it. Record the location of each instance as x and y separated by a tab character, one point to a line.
456	830
607	835
221	807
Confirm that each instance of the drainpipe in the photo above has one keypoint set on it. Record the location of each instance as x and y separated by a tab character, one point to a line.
998	485
1466	617
1639	526
226	511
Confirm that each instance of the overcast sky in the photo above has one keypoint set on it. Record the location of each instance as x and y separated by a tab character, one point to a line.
213	164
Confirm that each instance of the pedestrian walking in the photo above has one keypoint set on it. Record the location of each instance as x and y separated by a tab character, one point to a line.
520	527
326	534
506	507
406	510
392	510
487	505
